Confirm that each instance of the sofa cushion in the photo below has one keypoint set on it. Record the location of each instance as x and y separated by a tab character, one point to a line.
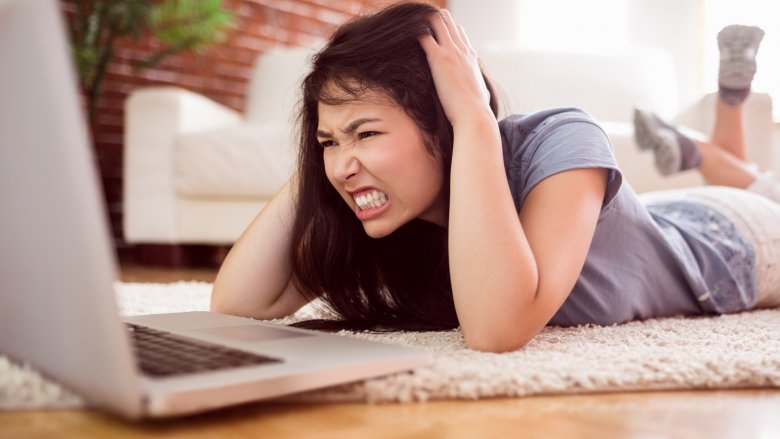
247	161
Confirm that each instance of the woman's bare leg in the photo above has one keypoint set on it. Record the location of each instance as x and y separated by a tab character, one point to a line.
719	167
728	132
738	46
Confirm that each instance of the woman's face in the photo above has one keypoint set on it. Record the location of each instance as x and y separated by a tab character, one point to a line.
376	159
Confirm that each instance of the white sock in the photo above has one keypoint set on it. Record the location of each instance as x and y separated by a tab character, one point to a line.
738	46
674	152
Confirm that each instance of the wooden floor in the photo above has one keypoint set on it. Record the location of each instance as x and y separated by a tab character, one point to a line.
738	414
140	273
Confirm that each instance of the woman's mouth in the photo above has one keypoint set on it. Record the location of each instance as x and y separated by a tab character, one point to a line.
371	204
370	199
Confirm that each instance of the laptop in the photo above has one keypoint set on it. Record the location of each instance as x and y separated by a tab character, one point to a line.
58	309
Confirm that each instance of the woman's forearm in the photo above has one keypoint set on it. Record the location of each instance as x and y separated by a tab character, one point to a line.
254	280
493	270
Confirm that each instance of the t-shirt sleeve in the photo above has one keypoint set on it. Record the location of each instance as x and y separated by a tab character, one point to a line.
561	142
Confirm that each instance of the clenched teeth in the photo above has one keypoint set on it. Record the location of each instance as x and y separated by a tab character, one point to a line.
370	200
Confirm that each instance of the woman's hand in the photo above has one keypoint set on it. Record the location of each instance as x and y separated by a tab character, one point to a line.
455	69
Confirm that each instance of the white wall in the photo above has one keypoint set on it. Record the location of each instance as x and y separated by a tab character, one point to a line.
486	21
671	25
674	26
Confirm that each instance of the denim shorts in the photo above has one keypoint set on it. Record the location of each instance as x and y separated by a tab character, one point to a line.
756	213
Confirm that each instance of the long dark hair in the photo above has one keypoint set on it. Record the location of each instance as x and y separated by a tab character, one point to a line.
400	281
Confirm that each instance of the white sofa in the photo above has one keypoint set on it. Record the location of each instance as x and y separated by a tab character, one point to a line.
197	172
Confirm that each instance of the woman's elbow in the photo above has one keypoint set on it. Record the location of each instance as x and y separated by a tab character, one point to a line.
495	343
218	304
223	302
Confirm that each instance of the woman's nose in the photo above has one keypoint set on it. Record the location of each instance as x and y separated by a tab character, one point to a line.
347	165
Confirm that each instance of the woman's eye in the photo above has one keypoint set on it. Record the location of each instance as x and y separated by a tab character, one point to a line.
366	134
327	143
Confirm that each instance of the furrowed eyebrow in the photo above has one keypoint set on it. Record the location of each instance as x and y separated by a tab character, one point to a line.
350	128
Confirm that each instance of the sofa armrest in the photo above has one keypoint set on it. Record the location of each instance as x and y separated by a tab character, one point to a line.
154	118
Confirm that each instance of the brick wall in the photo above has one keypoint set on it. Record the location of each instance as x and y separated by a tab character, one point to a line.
222	74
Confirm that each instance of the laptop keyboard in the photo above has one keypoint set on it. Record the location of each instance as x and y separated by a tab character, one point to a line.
162	354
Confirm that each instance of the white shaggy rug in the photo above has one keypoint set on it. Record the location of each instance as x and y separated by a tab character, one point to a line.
730	351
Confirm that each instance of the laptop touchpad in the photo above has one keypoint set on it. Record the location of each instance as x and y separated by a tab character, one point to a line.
253	333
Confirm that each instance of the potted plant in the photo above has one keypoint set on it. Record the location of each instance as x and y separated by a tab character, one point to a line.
180	25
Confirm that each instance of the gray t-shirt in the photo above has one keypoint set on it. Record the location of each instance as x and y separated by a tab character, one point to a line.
643	262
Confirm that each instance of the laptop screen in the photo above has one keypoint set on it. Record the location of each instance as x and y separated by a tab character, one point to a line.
57	307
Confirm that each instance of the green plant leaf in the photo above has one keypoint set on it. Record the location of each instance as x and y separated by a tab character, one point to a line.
191	24
180	25
129	17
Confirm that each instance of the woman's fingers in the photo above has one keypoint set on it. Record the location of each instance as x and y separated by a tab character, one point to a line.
455	69
446	32
440	31
452	29
465	38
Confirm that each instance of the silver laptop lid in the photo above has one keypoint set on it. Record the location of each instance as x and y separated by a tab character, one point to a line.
57	308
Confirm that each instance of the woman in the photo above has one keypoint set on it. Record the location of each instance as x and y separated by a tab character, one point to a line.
414	208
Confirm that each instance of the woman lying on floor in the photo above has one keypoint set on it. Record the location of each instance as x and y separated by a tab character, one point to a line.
413	208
